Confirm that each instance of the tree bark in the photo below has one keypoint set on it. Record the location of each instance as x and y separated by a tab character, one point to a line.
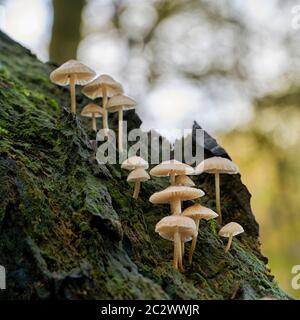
66	29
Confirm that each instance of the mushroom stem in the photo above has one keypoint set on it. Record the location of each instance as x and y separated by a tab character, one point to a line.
176	248
72	92
137	188
176	207
218	201
120	130
94	125
172	179
194	241
180	256
229	243
104	103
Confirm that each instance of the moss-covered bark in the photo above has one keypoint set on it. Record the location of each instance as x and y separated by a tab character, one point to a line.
69	227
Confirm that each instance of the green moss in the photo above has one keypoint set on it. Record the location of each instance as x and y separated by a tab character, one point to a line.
3	132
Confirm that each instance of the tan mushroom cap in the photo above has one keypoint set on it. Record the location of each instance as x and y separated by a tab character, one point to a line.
120	101
83	74
134	162
231	229
184	181
138	174
167	226
197	211
94	89
169	167
91	109
176	193
217	165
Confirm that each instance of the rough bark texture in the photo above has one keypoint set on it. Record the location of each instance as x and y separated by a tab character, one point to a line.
69	228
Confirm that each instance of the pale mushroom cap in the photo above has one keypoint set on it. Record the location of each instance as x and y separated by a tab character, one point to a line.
91	109
231	229
184	181
176	193
197	211
83	74
138	174
120	101
217	165
167	226
94	89
134	162
169	167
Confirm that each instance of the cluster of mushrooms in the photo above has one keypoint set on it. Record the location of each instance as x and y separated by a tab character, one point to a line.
180	226
183	226
74	73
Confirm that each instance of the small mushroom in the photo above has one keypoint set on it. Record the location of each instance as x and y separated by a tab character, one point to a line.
134	162
138	175
217	166
138	167
174	195
171	168
197	212
92	111
119	103
230	230
184	181
71	73
103	86
178	229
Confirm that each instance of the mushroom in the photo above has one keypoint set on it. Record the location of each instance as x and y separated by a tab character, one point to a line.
230	230
171	168
138	175
184	181
71	73
92	111
216	166
197	212
119	103
138	167
134	162
103	86
174	195
178	229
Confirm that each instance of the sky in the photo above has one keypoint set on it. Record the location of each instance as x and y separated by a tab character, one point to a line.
218	103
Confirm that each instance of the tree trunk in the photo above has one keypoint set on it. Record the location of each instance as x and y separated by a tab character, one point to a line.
69	228
66	29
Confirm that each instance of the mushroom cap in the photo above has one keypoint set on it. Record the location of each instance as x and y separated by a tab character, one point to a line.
120	101
217	165
61	75
134	162
94	89
169	167
167	226
197	211
138	174
176	193
91	109
231	229
184	181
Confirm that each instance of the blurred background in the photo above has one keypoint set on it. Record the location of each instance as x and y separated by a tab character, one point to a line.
231	65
